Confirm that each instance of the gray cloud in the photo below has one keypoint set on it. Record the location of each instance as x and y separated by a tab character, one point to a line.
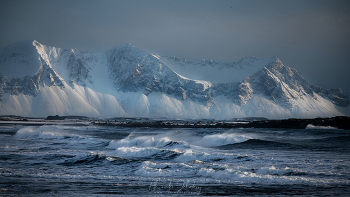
311	36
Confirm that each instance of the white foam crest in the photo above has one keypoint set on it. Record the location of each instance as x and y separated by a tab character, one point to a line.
151	169
310	126
166	165
134	152
145	146
266	175
191	155
173	139
54	133
221	139
44	132
144	141
276	171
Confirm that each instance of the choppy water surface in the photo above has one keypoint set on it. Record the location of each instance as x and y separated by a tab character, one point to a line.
91	160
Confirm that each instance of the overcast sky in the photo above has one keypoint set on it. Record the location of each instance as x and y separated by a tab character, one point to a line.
311	36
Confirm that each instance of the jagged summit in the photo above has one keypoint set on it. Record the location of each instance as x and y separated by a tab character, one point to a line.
40	80
126	45
277	82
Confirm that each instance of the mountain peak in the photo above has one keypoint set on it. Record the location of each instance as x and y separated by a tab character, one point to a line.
131	82
125	45
36	43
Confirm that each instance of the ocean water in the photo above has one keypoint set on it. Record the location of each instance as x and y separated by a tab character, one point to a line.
102	161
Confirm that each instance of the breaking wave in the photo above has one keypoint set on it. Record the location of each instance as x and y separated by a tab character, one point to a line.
222	139
310	126
58	135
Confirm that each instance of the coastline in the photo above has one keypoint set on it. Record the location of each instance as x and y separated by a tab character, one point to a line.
339	122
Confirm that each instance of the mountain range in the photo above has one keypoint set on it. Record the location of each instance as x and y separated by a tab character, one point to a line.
38	80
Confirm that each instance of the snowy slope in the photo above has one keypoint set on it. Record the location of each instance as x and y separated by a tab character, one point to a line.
216	71
60	82
39	80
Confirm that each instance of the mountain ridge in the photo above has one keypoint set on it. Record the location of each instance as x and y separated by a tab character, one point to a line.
126	81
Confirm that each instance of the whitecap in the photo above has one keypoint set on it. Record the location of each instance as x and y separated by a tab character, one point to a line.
310	126
221	139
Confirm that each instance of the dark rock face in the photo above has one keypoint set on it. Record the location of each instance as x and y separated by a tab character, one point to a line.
244	62
134	70
30	85
335	95
276	81
282	85
79	68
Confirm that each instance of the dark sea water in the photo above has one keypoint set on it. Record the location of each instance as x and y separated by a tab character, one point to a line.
103	161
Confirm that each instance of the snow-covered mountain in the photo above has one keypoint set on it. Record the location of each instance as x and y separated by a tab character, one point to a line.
38	80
